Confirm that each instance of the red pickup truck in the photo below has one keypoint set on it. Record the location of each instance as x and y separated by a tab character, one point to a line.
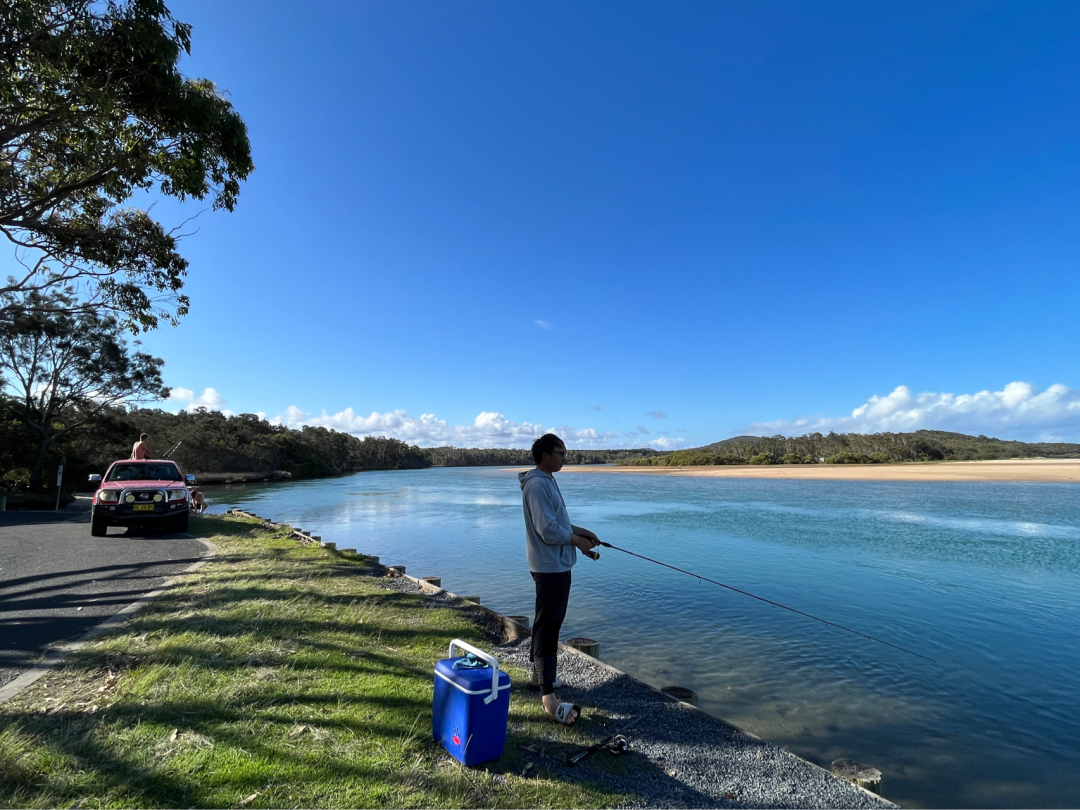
148	492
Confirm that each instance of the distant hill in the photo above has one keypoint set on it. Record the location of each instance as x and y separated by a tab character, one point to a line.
728	442
858	448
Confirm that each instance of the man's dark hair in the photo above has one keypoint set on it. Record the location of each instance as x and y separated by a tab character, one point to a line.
144	437
545	444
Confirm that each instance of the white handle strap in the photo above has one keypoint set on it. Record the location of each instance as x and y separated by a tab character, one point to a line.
483	656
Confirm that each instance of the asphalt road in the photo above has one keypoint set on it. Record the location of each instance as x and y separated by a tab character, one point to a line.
57	582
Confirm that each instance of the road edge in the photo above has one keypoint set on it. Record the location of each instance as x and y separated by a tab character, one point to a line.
58	653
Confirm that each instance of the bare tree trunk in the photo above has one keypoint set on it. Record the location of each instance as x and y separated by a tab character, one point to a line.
39	466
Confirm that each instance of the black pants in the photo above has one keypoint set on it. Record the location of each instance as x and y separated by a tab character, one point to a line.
552	596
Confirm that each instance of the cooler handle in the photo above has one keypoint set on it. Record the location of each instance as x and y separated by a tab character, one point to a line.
457	642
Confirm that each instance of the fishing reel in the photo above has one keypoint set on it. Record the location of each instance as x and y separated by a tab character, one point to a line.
618	745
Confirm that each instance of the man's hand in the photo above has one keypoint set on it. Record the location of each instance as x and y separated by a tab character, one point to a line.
584	533
584	543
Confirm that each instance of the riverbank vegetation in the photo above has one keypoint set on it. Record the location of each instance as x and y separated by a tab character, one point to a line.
210	443
517	457
277	675
856	448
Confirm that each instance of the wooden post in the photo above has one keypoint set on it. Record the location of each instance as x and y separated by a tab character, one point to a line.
681	693
862	775
399	568
472	599
521	620
588	646
436	581
330	546
316	538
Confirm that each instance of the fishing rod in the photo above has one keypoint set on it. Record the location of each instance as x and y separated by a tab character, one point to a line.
173	450
761	599
619	743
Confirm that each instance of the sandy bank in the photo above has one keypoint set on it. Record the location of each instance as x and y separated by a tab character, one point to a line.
1029	470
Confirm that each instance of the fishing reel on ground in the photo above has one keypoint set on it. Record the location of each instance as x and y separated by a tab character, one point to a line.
618	745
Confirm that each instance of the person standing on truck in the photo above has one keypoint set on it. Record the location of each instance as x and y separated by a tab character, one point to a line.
140	450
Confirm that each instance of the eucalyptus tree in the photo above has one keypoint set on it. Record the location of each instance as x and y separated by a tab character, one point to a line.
94	109
64	369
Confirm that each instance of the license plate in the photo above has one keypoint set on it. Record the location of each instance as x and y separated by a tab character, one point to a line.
143	507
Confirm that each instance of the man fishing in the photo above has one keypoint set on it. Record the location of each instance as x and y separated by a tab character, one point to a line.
551	544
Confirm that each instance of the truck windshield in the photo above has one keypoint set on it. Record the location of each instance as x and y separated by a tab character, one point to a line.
144	472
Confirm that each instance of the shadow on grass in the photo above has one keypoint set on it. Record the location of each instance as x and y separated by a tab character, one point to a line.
374	730
261	737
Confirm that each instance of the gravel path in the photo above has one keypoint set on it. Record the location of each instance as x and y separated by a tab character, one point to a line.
694	759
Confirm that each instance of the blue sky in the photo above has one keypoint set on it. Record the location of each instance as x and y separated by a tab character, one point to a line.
640	223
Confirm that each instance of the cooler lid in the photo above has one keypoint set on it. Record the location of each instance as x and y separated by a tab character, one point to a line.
470	681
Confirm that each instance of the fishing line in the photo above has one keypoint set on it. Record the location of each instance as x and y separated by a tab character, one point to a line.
763	599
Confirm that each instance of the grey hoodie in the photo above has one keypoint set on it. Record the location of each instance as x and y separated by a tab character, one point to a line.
547	524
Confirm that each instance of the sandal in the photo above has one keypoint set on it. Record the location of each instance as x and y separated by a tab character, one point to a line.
562	713
559	684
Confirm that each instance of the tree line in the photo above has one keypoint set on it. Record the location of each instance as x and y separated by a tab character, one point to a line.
856	448
512	457
211	442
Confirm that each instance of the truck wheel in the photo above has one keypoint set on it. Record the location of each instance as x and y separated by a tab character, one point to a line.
182	522
98	527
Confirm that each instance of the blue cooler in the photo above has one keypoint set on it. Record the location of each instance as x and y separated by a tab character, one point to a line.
471	706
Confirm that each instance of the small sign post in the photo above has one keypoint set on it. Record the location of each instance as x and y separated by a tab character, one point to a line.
59	479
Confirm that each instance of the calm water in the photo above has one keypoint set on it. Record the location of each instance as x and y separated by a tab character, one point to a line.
983	578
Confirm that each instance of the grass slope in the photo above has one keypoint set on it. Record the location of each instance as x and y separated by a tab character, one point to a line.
274	676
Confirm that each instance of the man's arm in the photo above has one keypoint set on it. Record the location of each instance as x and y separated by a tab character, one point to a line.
543	512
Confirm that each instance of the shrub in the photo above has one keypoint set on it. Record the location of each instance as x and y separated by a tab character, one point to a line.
847	457
18	480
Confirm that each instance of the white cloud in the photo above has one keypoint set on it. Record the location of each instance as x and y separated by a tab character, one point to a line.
657	414
543	324
186	400
1019	411
489	429
665	443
